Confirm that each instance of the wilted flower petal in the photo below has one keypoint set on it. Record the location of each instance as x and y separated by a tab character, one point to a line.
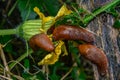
49	59
53	56
63	11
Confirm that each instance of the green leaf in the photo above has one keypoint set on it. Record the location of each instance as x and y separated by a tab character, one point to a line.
4	40
117	24
26	8
50	6
26	76
74	73
53	75
81	10
71	19
72	48
112	11
26	63
78	74
82	75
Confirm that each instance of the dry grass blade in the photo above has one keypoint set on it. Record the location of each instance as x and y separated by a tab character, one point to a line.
4	61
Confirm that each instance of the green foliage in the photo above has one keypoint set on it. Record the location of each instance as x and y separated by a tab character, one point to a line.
113	12
116	15
27	64
3	40
78	74
46	6
117	24
50	6
79	17
72	19
39	76
53	74
26	8
72	48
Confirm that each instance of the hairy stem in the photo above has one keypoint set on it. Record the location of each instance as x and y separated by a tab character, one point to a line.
9	31
87	19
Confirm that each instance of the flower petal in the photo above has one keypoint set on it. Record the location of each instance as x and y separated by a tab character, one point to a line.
41	15
63	11
58	48
64	50
53	56
46	21
49	59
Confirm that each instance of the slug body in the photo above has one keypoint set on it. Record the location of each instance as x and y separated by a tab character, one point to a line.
65	32
41	41
95	55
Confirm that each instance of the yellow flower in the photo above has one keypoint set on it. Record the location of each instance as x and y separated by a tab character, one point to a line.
42	16
47	22
50	19
32	27
52	57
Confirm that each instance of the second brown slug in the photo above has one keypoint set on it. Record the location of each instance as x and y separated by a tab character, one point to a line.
96	56
66	32
41	41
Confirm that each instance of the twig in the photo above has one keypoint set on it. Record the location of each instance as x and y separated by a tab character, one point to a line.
47	72
5	77
16	76
4	60
8	5
66	74
74	64
25	68
20	59
61	2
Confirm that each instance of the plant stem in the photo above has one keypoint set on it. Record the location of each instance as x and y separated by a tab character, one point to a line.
87	19
9	31
20	59
13	7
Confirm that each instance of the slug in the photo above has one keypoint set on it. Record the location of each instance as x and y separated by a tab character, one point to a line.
66	32
41	41
96	56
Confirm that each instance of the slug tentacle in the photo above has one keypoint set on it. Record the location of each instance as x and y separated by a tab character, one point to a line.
65	32
96	56
41	41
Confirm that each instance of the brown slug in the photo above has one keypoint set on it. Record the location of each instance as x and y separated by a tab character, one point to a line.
41	41
66	32
96	56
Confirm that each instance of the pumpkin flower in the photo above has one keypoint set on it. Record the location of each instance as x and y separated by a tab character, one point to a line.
52	57
33	27
37	26
50	19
